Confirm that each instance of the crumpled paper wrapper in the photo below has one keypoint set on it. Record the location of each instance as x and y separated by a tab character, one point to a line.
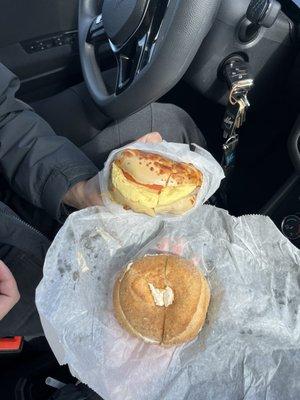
212	172
249	347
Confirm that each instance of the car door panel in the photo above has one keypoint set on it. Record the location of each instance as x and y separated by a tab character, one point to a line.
23	23
21	20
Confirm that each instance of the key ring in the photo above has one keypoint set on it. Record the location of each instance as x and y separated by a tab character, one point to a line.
230	139
241	88
232	99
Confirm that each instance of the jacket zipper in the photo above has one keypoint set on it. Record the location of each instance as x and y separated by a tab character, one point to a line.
37	232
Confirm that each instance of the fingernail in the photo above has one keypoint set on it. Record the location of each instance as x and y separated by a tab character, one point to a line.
154	137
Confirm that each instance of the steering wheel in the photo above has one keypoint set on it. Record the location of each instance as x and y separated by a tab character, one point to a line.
154	42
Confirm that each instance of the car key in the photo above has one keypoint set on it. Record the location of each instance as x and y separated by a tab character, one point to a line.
235	71
229	149
246	104
242	115
230	120
240	83
235	114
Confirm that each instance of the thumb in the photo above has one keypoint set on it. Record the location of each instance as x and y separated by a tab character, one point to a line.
153	137
9	294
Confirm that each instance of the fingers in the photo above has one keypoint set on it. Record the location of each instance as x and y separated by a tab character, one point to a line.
84	194
9	293
175	247
92	194
153	137
6	279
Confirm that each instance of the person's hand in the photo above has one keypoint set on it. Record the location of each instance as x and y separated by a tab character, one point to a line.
9	293
176	246
153	137
87	193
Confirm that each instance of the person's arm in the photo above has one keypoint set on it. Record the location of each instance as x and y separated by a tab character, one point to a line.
40	166
9	293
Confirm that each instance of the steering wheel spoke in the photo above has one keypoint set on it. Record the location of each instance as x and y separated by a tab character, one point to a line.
130	59
96	33
135	53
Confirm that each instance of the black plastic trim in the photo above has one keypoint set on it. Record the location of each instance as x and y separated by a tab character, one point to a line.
47	42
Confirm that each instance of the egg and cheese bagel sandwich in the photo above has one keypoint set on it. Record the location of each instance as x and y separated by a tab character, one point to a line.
153	184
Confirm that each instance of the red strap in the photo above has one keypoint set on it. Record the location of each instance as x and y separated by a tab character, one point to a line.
11	344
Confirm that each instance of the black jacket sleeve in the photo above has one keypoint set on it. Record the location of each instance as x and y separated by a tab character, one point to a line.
39	165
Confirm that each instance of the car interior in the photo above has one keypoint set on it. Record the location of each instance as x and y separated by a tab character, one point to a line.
86	63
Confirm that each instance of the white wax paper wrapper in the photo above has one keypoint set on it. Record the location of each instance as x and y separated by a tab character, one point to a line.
212	171
249	347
